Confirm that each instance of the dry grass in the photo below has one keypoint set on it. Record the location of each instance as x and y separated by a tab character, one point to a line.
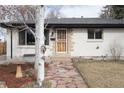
102	74
46	84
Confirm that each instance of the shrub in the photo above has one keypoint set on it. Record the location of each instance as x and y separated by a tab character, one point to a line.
115	50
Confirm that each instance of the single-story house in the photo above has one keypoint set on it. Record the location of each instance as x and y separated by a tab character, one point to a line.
67	37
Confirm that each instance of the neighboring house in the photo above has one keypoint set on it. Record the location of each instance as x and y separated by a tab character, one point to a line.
67	37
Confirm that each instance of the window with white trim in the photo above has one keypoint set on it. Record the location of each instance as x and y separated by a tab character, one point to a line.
95	33
27	38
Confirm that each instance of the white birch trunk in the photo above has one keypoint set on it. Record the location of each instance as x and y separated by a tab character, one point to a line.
39	45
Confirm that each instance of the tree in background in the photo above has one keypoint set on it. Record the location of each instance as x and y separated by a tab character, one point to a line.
113	11
106	12
54	12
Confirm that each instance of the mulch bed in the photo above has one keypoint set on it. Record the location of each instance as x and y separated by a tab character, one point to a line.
8	73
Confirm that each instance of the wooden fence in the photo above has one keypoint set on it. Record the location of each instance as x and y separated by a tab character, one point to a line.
2	48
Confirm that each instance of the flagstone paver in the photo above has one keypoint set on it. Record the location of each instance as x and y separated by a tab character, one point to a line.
64	75
3	84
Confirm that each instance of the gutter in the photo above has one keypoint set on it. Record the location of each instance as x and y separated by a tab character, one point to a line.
11	45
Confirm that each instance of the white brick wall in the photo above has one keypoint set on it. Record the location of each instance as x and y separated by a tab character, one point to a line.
81	47
20	50
85	47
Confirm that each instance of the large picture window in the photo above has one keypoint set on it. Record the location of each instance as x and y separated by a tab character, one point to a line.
27	38
94	33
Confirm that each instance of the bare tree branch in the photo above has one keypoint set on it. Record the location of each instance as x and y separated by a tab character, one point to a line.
24	21
32	16
22	18
46	24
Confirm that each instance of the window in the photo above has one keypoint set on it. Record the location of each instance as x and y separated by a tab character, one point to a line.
46	34
30	38
94	33
22	38
27	38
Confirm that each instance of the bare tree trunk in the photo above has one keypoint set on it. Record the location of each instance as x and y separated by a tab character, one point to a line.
39	45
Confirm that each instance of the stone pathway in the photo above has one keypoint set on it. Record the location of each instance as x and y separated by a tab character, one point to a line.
3	84
64	75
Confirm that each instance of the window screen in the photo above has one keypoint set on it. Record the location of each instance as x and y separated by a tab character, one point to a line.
94	33
98	34
22	38
30	38
27	38
90	34
46	34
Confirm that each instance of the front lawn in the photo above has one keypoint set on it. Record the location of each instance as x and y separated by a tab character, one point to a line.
102	74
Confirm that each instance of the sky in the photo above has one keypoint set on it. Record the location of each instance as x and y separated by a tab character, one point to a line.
87	11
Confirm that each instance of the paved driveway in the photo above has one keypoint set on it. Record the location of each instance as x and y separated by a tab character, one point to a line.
63	74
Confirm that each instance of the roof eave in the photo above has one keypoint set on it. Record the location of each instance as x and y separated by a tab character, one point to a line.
51	25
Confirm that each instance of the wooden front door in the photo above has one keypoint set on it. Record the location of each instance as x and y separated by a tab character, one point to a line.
61	40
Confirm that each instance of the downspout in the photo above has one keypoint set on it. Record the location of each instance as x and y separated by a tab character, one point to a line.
11	44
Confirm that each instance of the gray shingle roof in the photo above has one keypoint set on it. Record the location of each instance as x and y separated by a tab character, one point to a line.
84	21
75	22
